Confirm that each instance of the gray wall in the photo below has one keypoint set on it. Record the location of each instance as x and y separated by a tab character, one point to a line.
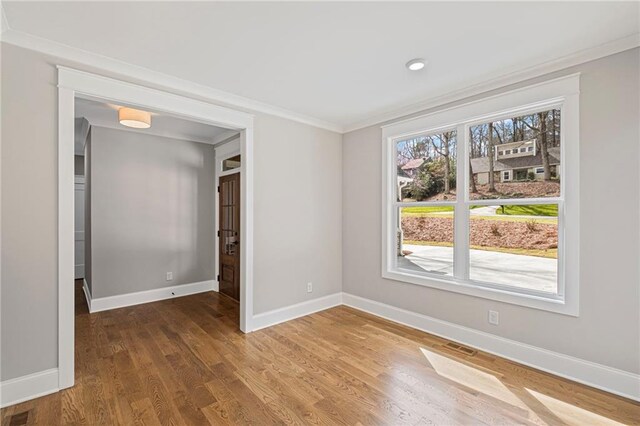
29	216
152	212
297	196
78	168
608	329
297	213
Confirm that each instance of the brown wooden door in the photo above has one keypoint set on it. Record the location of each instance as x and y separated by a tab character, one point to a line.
229	202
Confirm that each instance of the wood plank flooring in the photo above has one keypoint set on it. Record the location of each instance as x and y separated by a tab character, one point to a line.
184	362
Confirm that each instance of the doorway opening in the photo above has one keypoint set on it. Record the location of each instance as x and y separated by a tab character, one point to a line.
229	235
85	87
228	179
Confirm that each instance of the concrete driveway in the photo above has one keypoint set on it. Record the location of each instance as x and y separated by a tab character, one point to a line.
531	272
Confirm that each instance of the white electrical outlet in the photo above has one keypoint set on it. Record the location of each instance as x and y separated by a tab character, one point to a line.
169	276
309	287
494	317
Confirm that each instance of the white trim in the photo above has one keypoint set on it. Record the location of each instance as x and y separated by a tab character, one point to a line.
87	293
66	237
524	99
24	388
72	83
561	93
599	376
277	316
509	78
123	300
224	137
246	230
516	75
589	373
88	85
156	78
229	172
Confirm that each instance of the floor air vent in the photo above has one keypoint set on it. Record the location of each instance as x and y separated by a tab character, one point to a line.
462	349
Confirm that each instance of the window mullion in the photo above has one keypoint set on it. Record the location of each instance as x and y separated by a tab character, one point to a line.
461	216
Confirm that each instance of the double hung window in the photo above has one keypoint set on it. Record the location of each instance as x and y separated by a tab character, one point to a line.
461	216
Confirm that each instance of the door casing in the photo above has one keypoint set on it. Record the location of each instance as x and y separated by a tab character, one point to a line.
74	83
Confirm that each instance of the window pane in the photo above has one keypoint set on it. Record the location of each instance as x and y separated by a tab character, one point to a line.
515	245
506	156
231	163
426	239
426	167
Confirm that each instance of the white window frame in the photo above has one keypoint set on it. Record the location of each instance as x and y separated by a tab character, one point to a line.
562	93
508	174
539	170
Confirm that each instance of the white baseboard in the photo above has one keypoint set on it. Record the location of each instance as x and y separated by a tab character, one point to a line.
589	373
87	293
28	387
288	313
130	299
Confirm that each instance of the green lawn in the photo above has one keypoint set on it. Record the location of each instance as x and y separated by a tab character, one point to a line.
529	210
427	209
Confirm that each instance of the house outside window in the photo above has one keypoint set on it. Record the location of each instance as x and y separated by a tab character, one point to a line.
482	224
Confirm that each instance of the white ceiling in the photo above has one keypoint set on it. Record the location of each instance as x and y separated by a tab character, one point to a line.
342	63
106	115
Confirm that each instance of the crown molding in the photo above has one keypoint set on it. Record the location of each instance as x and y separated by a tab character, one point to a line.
514	76
174	84
185	87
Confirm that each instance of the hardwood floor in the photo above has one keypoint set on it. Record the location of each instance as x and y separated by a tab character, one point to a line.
184	362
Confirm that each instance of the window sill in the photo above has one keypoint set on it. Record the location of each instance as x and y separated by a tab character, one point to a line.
565	307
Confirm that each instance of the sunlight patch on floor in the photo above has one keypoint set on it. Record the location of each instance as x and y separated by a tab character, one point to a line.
490	385
570	414
472	378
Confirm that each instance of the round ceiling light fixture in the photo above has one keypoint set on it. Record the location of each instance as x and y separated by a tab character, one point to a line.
415	64
134	118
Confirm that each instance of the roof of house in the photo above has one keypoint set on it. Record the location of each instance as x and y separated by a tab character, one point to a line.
413	164
481	164
402	174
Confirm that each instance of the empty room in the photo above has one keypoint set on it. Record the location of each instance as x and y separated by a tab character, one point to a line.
353	213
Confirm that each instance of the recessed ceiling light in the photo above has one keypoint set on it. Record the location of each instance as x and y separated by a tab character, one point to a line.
415	64
134	118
